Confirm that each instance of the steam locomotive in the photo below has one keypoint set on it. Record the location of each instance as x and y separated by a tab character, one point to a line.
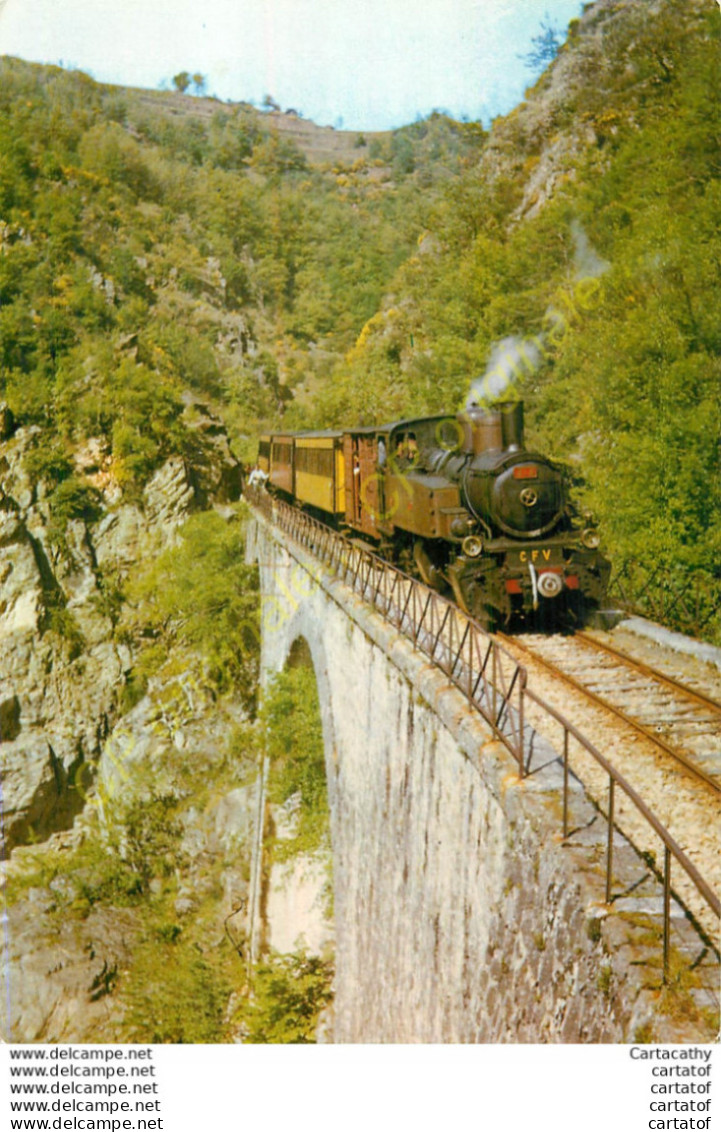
457	501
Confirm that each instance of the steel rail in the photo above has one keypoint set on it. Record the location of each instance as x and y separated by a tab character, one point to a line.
680	756
648	670
687	865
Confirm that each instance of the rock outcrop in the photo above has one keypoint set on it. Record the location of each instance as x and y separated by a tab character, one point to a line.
545	136
69	952
73	766
61	667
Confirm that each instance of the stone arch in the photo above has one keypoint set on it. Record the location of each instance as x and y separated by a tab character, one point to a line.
299	642
303	639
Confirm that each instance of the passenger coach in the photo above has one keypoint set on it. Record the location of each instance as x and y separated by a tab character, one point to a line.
307	467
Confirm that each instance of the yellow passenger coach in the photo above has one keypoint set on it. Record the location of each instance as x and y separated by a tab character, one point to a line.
320	472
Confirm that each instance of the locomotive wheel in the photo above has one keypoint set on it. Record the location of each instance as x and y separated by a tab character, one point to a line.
486	616
431	574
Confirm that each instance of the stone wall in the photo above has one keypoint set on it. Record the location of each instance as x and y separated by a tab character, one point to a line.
460	914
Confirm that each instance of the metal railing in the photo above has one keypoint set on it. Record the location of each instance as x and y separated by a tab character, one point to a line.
490	678
488	675
672	850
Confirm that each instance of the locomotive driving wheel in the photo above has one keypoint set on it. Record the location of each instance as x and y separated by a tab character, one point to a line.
431	573
476	595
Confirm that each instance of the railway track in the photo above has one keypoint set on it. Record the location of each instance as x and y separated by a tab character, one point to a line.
683	722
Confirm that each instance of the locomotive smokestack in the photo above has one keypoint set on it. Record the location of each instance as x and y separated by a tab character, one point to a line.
491	431
482	431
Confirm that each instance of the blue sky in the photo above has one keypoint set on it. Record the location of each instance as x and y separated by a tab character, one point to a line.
374	64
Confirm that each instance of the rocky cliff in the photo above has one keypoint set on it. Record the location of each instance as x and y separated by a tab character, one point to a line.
616	58
61	663
76	764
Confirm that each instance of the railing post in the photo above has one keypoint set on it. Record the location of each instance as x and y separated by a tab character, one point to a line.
666	910
521	723
565	781
609	853
471	648
494	677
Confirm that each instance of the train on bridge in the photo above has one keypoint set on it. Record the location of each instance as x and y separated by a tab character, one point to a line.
458	501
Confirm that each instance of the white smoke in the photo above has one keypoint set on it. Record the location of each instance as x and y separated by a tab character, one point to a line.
587	261
512	359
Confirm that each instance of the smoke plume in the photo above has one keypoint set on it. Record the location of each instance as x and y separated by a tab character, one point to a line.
512	359
587	261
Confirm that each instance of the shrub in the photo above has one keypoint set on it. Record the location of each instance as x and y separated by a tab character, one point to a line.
290	993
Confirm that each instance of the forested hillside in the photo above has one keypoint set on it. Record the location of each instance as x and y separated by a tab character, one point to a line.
153	243
586	243
170	268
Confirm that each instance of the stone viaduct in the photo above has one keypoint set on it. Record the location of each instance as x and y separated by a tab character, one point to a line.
461	915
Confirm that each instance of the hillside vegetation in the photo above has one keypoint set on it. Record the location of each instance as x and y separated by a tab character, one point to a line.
146	251
166	261
586	243
155	242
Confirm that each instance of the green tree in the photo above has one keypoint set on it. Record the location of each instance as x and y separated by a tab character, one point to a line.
201	595
182	81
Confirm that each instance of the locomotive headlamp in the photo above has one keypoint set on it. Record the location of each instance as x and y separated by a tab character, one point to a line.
590	539
549	585
472	546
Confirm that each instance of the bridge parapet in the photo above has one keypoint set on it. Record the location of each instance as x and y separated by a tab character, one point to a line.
534	856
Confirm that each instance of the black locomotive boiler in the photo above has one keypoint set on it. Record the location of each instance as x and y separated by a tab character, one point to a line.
459	501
